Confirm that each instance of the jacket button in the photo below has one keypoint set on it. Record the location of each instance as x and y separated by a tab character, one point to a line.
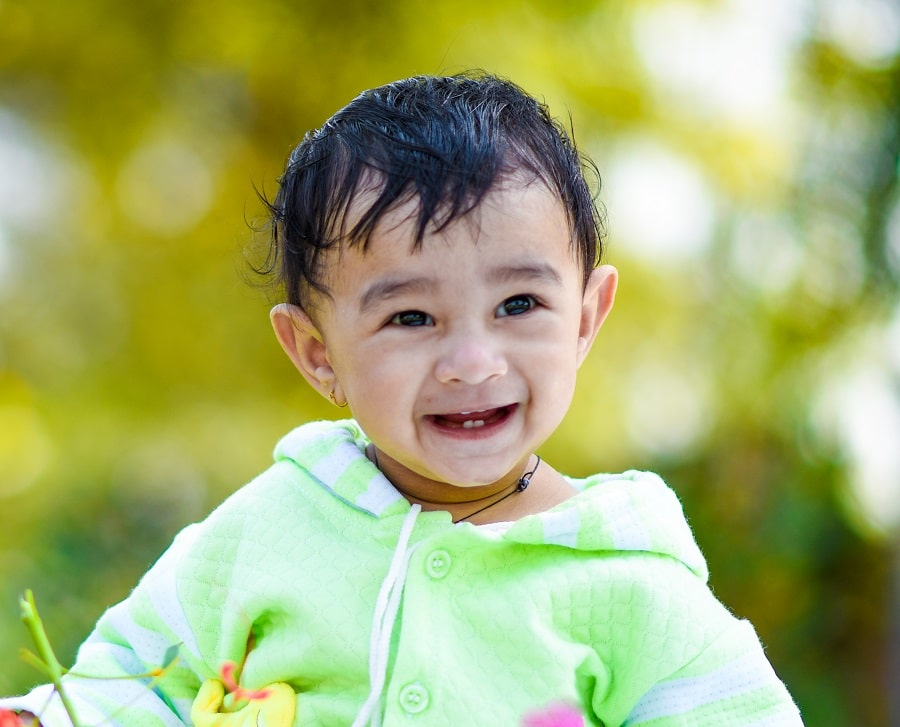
414	698
437	564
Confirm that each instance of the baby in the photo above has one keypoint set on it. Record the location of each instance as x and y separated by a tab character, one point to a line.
420	564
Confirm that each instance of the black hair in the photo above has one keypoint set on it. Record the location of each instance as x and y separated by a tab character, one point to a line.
444	141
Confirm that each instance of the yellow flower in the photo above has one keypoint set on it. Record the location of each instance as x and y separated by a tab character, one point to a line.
273	706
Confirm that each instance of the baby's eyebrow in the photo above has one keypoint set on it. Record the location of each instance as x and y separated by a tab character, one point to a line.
390	287
538	271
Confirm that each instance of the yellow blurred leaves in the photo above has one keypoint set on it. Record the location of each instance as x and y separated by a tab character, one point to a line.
25	446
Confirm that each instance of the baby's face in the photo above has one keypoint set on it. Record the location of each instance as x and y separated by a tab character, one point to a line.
459	359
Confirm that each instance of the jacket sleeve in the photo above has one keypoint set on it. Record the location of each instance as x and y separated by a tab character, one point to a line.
116	678
730	683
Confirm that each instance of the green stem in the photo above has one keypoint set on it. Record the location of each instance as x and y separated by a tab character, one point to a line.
55	670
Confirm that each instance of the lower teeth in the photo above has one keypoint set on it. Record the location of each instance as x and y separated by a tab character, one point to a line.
472	423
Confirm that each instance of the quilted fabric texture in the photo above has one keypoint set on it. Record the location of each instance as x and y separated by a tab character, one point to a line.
600	602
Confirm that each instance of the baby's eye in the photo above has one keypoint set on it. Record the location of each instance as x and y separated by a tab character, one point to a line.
412	318
516	306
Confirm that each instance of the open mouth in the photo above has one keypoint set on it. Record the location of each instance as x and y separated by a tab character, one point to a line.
474	419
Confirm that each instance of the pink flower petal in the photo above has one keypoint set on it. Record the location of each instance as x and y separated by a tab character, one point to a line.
557	715
226	675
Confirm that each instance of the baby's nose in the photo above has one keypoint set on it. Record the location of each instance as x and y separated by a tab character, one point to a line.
471	359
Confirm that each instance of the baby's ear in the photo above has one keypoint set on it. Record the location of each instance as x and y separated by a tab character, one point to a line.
599	296
304	345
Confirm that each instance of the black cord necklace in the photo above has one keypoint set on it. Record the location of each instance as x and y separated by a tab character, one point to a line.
521	486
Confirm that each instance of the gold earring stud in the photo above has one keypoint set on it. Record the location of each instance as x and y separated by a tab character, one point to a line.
334	400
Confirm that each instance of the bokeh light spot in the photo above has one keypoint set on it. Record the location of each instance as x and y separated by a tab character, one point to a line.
165	187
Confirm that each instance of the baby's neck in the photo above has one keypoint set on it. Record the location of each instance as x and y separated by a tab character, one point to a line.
503	501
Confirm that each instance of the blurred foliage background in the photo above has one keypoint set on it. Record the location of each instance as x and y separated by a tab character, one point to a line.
749	150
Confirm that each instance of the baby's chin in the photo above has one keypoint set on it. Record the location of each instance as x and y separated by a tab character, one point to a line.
456	475
469	478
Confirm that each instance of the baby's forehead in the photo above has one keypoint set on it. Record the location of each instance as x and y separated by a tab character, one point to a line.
511	224
409	216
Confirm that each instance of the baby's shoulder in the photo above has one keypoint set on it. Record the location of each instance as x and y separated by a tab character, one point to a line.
632	512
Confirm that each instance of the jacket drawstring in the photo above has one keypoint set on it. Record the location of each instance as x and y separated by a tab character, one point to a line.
386	609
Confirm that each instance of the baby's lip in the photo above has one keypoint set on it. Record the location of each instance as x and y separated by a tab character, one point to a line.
474	417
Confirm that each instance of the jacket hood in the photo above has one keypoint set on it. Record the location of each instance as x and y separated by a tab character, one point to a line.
634	511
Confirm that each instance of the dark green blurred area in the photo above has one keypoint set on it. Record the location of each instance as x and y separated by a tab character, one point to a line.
749	152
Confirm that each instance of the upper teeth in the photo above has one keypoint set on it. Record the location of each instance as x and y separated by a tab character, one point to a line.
470	423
